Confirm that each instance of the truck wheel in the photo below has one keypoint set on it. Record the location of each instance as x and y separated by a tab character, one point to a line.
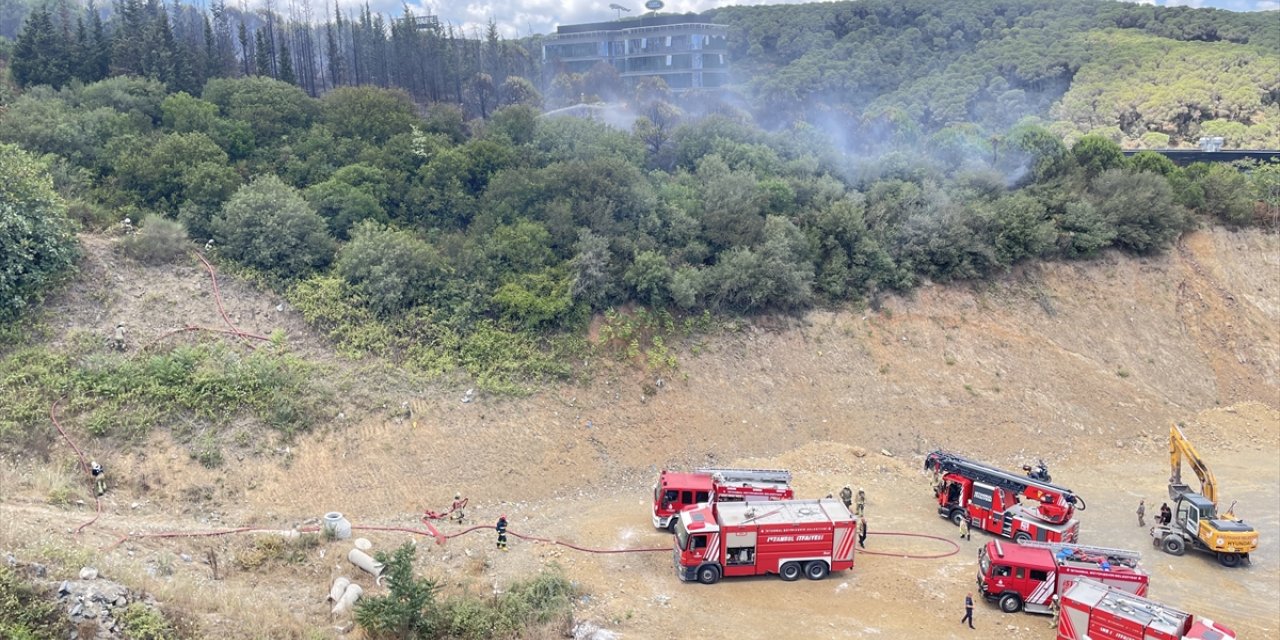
709	574
789	571
1010	603
1229	559
671	524
1021	536
815	570
1174	544
958	516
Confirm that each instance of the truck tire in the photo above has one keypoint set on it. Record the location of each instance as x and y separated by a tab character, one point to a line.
1010	603
1229	559
789	571
1174	544
708	574
816	570
958	516
671	524
1021	536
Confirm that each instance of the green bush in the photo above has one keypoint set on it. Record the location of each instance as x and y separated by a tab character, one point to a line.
140	622
157	241
1141	209
36	244
393	269
410	609
267	225
26	613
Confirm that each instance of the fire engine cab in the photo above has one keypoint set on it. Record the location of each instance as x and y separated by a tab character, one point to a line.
788	537
676	492
1091	609
1026	576
991	500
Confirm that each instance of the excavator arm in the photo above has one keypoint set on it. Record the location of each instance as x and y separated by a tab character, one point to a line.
1179	448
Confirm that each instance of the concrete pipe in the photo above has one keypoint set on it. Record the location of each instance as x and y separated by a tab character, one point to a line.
366	562
337	526
339	586
348	599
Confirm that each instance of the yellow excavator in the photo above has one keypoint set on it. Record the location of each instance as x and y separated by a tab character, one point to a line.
1196	523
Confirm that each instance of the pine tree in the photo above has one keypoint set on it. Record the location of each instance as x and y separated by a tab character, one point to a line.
333	50
246	53
98	66
130	32
285	63
263	54
41	55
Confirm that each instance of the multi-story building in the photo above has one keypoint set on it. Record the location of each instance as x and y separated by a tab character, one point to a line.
683	50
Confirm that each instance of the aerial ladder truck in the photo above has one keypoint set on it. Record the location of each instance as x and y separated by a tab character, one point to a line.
677	491
1196	523
991	500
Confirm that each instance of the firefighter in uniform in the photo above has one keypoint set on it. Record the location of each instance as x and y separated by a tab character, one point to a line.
458	504
846	496
1142	513
501	528
117	340
1055	609
862	500
99	477
964	529
862	533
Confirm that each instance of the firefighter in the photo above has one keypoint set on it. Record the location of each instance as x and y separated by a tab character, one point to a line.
968	610
117	339
99	477
964	529
501	528
846	496
862	533
862	500
1055	610
126	226
458	504
1142	513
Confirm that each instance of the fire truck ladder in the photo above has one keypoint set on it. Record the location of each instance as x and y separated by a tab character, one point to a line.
1115	556
763	476
986	474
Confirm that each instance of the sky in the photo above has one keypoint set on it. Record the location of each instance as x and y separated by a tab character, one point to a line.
520	18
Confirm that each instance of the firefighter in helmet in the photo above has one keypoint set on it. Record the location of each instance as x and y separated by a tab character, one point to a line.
1055	609
501	528
862	501
846	496
458	504
99	477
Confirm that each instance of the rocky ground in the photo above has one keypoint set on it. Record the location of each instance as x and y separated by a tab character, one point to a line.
1082	364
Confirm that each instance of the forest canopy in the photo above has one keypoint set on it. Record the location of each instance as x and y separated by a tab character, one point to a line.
402	187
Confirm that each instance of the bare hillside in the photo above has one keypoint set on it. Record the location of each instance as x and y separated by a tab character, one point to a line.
1083	364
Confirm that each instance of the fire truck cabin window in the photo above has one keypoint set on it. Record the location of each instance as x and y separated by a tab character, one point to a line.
703	496
1039	576
699	542
1001	571
686	497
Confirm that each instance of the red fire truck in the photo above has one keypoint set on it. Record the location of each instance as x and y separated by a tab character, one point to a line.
788	537
991	500
676	491
1091	609
1026	576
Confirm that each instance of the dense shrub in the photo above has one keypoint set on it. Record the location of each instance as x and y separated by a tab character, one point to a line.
157	241
1141	209
36	243
267	224
25	612
392	269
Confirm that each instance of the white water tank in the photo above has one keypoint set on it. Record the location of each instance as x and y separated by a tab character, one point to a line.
337	526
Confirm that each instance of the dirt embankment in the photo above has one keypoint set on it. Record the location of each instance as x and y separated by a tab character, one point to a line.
1082	364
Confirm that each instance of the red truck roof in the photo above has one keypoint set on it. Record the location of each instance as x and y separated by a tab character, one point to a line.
690	481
